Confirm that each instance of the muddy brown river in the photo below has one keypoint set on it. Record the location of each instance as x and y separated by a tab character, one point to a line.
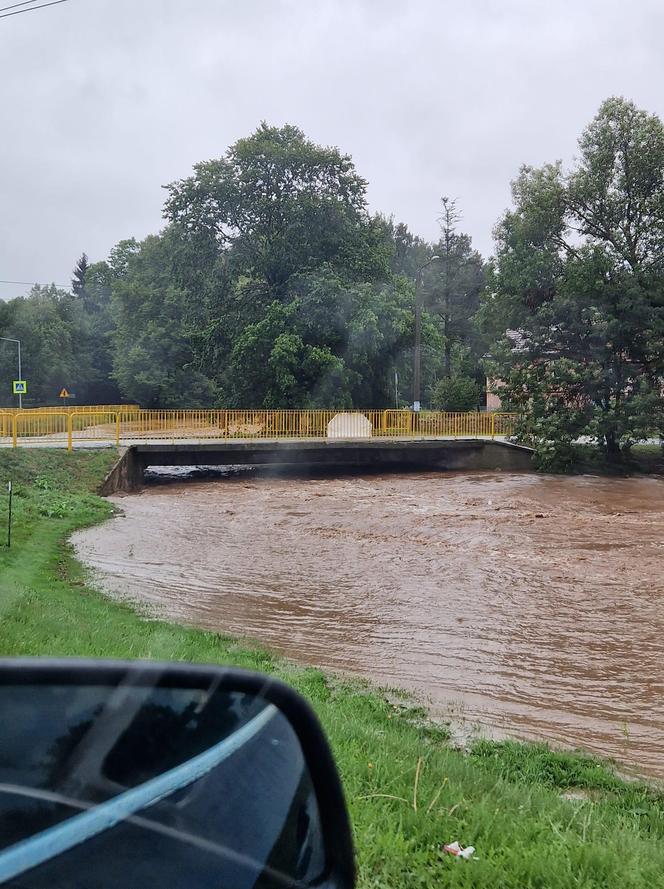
530	606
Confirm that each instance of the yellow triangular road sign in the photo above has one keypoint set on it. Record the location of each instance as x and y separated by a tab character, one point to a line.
64	394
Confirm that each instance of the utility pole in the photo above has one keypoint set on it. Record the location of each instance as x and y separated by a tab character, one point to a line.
417	354
18	343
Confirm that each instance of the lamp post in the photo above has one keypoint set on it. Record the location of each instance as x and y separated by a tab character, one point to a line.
417	354
8	339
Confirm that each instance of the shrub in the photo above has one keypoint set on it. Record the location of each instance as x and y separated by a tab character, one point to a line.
456	394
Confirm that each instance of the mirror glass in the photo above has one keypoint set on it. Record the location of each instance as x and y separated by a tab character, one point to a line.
127	785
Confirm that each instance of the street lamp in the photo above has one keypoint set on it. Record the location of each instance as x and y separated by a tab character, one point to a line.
8	339
417	355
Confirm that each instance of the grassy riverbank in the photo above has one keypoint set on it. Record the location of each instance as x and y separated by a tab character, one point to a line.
408	789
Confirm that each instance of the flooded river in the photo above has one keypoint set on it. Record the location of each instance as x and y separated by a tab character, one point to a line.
532	605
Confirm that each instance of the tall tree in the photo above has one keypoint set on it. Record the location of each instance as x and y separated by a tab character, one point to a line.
455	282
276	204
410	251
280	227
92	288
578	289
95	299
153	359
80	270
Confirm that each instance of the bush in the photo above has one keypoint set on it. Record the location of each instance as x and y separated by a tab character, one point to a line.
456	394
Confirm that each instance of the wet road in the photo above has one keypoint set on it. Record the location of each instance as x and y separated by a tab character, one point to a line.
533	605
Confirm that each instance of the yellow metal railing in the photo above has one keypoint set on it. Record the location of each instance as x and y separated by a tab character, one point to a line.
101	424
72	409
5	424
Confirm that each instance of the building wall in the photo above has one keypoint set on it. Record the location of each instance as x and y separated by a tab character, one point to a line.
493	402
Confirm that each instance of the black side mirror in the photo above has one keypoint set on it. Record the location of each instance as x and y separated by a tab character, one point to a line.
132	774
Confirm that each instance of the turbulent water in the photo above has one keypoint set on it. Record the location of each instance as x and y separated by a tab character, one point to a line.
531	605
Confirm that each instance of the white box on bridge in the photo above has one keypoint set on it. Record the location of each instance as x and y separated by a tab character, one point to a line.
349	426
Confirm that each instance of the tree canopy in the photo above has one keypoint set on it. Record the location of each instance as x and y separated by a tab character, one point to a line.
576	294
272	285
276	204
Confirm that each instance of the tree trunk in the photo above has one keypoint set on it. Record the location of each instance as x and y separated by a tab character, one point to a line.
612	447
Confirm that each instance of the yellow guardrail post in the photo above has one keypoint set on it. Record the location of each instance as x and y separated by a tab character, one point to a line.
14	430
117	430
493	425
70	432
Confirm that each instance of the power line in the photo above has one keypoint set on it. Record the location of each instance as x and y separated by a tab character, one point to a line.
32	283
14	5
31	9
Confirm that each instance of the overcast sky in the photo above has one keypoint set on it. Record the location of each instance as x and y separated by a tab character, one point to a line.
104	101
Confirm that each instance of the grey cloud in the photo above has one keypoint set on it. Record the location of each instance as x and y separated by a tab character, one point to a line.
104	101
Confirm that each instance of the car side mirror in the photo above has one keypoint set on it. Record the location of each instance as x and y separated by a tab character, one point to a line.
117	774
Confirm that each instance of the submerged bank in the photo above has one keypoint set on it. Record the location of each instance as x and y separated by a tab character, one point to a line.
537	818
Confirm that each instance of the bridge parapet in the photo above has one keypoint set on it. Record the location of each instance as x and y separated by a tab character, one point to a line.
112	426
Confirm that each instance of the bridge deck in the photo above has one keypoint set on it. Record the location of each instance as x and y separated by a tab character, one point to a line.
60	440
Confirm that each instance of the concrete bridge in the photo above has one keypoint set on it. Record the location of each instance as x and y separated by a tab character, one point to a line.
369	454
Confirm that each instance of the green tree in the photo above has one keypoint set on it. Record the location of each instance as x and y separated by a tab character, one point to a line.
78	279
576	295
330	343
461	279
298	303
456	394
410	252
453	284
53	331
93	296
276	204
153	360
273	365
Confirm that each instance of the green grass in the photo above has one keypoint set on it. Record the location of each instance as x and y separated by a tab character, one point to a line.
409	791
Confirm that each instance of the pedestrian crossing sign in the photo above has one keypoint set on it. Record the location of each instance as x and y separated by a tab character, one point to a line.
19	387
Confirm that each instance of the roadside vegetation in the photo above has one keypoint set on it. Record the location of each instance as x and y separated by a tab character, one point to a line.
537	818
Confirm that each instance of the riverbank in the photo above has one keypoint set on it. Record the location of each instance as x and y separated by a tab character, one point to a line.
536	817
643	459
